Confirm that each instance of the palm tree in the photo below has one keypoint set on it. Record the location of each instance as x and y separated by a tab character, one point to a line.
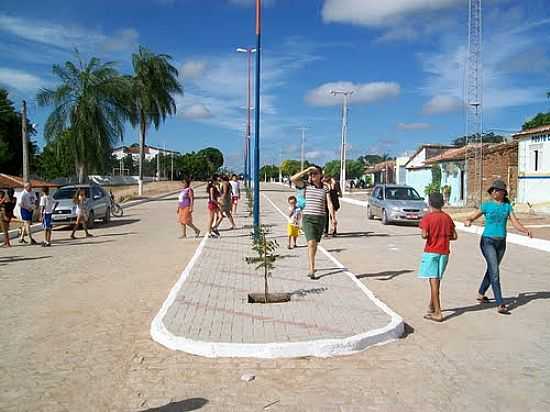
154	82
91	105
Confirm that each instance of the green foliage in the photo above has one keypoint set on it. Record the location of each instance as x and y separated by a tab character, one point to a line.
266	253
431	188
541	119
354	168
291	167
271	171
213	158
487	138
198	166
372	159
57	158
435	186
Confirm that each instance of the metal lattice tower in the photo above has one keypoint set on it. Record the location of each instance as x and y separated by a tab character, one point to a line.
474	97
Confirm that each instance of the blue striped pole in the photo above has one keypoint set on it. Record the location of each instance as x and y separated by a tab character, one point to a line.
257	118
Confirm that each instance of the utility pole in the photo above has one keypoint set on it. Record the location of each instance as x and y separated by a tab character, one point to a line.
280	163
172	166
303	129
346	94
257	117
25	142
158	165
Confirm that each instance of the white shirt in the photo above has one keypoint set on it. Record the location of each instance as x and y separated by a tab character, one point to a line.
235	187
47	203
27	200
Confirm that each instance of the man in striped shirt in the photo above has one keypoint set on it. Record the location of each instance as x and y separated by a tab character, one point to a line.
317	201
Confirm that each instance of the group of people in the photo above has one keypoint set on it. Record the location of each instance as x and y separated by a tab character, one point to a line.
224	194
316	202
28	202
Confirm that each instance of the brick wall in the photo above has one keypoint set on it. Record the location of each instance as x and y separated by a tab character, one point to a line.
500	161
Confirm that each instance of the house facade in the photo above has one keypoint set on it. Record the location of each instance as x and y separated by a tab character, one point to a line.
150	152
383	172
453	175
419	173
533	165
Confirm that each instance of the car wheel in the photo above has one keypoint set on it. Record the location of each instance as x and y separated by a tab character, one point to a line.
107	217
370	216
91	219
385	219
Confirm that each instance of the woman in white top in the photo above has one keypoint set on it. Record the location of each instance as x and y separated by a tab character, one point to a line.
236	190
80	202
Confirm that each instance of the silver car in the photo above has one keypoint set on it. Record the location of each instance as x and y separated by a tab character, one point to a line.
98	204
396	203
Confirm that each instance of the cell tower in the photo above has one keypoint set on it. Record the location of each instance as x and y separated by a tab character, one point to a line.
474	98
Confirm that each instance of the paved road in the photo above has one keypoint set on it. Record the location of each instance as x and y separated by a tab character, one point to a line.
75	329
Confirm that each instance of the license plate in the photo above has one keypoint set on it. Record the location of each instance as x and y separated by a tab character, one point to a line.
59	217
411	216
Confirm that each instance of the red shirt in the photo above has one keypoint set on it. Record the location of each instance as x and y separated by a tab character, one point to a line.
440	228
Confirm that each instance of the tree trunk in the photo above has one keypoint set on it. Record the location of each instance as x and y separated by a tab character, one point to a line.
82	172
142	127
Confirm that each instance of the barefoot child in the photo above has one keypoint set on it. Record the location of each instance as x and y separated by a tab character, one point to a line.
438	229
47	207
294	217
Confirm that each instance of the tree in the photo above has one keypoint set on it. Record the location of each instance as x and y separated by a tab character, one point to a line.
291	167
541	119
90	104
213	157
11	142
152	85
269	171
372	159
354	168
57	158
487	138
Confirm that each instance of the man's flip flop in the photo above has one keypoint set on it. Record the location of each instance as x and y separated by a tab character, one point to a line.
429	316
484	299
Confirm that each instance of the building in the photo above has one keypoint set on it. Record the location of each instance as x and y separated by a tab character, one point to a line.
500	161
533	165
150	152
400	170
453	174
419	174
383	172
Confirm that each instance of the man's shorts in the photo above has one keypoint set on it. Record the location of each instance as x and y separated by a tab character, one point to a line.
26	215
235	199
47	221
293	230
433	265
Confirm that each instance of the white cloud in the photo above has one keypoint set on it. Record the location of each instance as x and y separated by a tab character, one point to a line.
196	111
414	126
363	93
193	69
20	80
125	39
378	13
442	104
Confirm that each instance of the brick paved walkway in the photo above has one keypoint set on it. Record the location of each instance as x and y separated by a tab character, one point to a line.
210	315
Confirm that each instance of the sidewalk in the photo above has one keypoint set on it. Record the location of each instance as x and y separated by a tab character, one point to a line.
207	312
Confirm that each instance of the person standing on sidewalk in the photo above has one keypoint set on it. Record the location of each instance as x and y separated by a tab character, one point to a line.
4	221
438	229
213	207
81	204
226	202
497	212
186	202
236	190
27	205
47	207
335	194
313	216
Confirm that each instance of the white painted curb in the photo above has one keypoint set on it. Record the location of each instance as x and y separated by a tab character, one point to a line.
539	244
318	348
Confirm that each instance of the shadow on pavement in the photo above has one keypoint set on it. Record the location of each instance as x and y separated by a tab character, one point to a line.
10	259
338	250
407	330
113	223
361	234
75	242
389	274
332	271
191	404
513	303
305	292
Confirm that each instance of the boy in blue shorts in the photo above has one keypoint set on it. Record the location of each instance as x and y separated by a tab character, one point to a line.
438	229
47	207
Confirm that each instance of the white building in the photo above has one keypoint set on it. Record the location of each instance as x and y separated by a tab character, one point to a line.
534	165
419	173
133	150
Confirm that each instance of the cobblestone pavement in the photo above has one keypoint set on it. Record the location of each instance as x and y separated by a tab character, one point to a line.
75	329
212	305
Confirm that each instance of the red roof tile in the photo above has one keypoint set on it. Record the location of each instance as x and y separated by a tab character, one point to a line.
16	182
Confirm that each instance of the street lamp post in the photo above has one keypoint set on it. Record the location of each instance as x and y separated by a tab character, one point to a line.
25	142
248	133
303	129
257	116
346	94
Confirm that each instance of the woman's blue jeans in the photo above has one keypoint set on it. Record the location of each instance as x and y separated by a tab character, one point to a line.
493	250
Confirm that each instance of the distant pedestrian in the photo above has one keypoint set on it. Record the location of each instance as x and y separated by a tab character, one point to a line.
294	219
335	194
47	207
4	220
313	216
213	207
186	202
438	229
27	203
82	216
497	212
236	189
225	202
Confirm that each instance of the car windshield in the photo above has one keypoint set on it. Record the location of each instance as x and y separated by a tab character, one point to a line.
402	193
68	193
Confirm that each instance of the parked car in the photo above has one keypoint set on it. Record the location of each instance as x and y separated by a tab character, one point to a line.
396	203
98	203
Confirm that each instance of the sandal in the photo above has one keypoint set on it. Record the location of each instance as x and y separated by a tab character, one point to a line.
312	276
503	310
484	299
429	316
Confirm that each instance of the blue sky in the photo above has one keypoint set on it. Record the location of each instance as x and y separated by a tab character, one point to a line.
403	58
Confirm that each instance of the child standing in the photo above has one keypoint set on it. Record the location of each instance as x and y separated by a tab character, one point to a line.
47	207
294	217
438	229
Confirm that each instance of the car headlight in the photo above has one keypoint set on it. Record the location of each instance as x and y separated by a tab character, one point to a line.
426	209
396	209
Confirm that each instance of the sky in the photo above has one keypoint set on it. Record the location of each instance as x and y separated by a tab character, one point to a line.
404	60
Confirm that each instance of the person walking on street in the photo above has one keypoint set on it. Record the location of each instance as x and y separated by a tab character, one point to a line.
4	221
438	229
226	202
27	205
497	212
335	194
213	207
313	216
81	204
47	207
186	203
236	189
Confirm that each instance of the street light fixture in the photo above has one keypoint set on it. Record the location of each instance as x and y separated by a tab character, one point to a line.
346	94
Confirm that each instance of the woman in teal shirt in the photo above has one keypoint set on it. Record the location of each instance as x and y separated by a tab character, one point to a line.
493	240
